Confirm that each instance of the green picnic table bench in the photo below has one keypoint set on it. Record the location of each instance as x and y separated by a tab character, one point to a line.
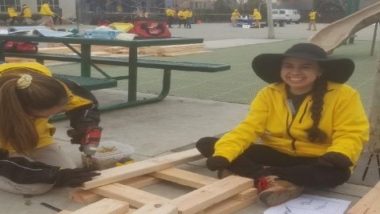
131	63
93	83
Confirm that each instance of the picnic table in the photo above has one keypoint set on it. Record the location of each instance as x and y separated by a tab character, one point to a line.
131	62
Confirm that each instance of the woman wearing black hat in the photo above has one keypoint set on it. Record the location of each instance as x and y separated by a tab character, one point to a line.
305	129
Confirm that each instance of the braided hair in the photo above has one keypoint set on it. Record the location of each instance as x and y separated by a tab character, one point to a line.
315	134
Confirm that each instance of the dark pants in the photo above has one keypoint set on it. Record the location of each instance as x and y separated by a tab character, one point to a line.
260	160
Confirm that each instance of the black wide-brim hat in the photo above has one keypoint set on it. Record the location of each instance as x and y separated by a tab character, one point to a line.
268	66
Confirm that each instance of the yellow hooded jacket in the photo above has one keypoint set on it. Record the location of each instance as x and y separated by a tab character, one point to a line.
45	10
12	12
27	12
270	119
44	129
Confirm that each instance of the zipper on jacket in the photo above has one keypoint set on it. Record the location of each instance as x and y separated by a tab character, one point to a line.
293	143
304	112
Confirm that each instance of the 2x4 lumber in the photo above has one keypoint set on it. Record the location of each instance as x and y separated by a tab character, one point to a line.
135	197
364	204
104	206
211	194
87	196
235	203
157	208
120	173
184	177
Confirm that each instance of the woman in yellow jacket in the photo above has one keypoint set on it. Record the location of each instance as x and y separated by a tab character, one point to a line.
30	162
12	15
47	15
257	17
305	129
26	14
235	15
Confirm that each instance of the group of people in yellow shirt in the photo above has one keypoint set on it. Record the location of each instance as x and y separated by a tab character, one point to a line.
183	16
25	16
256	16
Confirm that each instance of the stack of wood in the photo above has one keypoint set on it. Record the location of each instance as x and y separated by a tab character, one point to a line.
119	186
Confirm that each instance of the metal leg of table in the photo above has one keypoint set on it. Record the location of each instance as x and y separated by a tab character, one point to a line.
86	60
132	81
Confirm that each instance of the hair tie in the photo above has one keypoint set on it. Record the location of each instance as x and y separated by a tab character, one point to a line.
24	81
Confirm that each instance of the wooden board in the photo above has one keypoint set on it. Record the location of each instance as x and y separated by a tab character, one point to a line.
120	173
365	203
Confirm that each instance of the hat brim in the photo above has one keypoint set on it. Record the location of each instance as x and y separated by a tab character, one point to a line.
268	67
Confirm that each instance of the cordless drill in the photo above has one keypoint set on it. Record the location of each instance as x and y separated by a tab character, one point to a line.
90	143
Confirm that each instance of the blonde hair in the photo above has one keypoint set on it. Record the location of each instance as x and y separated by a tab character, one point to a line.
21	91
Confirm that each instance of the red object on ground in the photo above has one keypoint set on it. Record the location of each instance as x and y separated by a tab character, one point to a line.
151	29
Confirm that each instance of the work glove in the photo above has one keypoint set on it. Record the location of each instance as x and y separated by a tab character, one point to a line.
74	177
217	163
334	159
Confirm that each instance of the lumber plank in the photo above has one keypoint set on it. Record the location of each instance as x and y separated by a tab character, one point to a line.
141	181
120	173
235	203
135	197
374	208
363	205
211	194
64	212
104	206
84	196
184	177
87	196
157	208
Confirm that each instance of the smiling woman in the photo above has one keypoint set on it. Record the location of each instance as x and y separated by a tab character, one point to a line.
305	129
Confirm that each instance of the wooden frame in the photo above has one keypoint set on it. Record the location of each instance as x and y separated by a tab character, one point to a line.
211	195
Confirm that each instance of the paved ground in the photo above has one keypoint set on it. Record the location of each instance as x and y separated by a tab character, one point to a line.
202	104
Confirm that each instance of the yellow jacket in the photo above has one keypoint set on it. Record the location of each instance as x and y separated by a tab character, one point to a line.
181	15
44	129
270	119
235	15
45	10
256	15
313	15
27	12
170	12
12	12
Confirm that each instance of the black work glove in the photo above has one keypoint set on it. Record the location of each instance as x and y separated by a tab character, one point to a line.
74	177
217	163
334	159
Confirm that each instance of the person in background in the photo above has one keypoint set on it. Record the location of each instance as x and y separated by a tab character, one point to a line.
257	17
26	14
119	8
12	15
313	20
181	17
189	17
170	16
30	161
307	128
47	15
234	17
57	19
